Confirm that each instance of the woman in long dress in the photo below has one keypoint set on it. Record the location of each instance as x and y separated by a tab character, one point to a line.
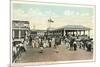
41	45
53	42
25	44
47	45
67	43
44	43
33	43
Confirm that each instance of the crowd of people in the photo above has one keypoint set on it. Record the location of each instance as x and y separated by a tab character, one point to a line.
81	42
18	48
70	42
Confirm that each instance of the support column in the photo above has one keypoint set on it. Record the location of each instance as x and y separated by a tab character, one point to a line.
19	34
84	32
67	33
26	34
13	33
76	33
88	32
59	32
73	32
80	32
64	32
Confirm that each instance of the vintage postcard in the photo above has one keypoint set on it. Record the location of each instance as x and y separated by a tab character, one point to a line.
49	33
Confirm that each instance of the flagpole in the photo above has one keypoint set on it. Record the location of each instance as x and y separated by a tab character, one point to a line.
49	22
49	25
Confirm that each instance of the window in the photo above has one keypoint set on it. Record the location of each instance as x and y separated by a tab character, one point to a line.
16	34
23	33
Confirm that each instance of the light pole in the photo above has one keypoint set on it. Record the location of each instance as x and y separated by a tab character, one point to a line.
49	25
49	22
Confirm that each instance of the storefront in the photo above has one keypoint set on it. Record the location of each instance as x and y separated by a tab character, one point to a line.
20	30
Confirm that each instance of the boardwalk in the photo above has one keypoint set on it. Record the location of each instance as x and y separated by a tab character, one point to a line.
49	54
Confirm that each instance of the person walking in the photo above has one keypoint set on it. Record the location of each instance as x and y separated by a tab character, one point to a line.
44	43
41	45
71	44
22	48
49	43
75	45
25	44
30	41
33	43
53	42
57	43
81	44
89	45
67	43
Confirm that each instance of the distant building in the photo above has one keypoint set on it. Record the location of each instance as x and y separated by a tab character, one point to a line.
75	30
38	32
20	30
70	29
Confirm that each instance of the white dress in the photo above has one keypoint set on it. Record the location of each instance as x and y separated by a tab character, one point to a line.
25	45
36	43
14	50
53	42
33	43
47	45
44	43
67	43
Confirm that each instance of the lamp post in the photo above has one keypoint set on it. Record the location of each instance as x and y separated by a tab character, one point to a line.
49	22
49	25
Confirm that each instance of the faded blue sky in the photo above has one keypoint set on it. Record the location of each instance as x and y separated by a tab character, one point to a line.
38	14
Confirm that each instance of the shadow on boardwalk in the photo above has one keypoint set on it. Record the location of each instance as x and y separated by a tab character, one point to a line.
49	54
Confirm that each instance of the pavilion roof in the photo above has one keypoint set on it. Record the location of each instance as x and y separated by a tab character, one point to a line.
39	30
73	27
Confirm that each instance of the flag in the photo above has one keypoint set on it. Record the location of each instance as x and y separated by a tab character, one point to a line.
50	20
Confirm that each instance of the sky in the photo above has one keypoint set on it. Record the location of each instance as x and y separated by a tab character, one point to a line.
38	15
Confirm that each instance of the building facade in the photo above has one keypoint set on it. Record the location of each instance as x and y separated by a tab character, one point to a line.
20	30
75	30
38	33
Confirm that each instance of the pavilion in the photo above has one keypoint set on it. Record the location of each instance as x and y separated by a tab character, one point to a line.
71	29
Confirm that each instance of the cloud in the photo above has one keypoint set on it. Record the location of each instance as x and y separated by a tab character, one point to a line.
75	13
19	14
34	12
30	14
68	12
51	14
85	14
